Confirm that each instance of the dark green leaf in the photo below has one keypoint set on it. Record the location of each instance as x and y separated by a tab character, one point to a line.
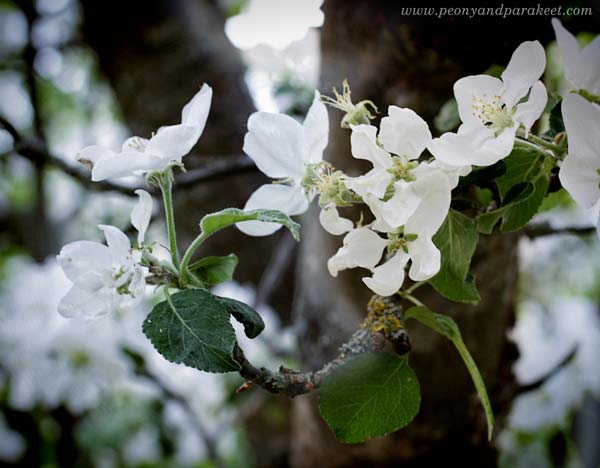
456	239
369	396
215	221
215	270
522	189
246	315
192	327
447	327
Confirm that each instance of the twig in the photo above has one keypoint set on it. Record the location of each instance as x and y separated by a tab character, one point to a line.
384	322
545	229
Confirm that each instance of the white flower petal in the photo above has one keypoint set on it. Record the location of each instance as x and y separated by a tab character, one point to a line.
528	112
195	112
90	155
388	278
134	143
81	303
290	200
374	182
579	176
472	89
118	244
141	214
126	164
399	208
425	259
276	144
453	173
404	133
582	121
316	130
364	146
173	142
333	223
79	258
581	67
362	248
434	191
526	66
473	146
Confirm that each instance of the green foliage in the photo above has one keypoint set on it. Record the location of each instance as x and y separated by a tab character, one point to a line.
370	396
522	189
447	327
246	315
216	221
214	270
192	327
456	239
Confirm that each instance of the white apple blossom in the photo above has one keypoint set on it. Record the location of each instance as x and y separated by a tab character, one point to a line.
580	171
165	148
286	150
492	110
581	65
105	277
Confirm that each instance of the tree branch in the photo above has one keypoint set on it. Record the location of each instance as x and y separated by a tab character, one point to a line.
545	229
384	321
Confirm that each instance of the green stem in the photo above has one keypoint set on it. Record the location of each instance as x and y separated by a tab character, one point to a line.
190	252
414	287
413	299
546	144
529	145
166	187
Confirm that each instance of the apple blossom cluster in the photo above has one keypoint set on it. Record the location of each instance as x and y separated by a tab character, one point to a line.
407	191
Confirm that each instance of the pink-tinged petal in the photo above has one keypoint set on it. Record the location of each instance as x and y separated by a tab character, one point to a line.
526	66
425	259
289	200
471	91
126	164
141	214
195	112
404	133
316	130
333	223
364	146
79	259
82	303
529	111
388	278
173	142
276	144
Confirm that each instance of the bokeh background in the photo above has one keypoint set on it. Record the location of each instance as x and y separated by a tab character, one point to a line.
96	394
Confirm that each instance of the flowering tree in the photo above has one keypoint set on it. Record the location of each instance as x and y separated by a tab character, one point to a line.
415	220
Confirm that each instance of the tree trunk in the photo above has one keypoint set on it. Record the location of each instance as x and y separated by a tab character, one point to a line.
409	61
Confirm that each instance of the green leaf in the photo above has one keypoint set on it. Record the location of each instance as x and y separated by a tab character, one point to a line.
192	327
246	315
215	270
522	188
456	239
444	325
214	222
369	396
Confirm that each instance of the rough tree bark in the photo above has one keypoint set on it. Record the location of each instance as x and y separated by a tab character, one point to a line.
409	61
